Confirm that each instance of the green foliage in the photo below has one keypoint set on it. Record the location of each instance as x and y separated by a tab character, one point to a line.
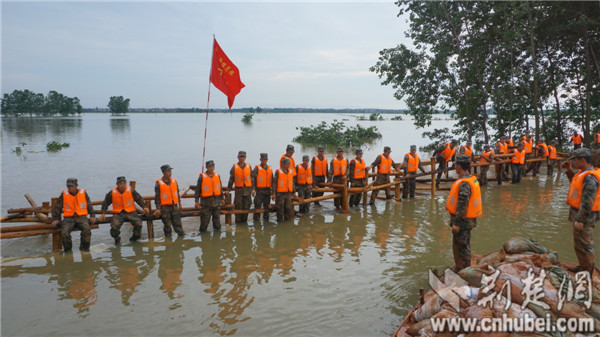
54	146
337	134
28	103
438	136
247	118
118	105
375	117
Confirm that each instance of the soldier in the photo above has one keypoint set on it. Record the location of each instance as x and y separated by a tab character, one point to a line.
303	180
542	152
384	164
75	206
501	148
584	199
443	155
528	146
467	150
166	198
597	139
122	198
464	205
241	175
289	152
283	190
357	174
576	140
487	156
319	169
411	163
551	157
209	195
517	162
262	180
337	171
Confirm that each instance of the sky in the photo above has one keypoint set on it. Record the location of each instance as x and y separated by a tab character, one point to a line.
290	54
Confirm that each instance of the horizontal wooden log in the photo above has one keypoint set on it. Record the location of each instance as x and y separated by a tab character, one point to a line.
14	235
11	217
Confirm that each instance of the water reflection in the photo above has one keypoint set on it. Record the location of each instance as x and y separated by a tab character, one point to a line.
76	281
119	127
37	127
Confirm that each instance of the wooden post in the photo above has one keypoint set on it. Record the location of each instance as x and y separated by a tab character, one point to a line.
433	177
132	184
228	216
149	223
345	200
56	238
397	191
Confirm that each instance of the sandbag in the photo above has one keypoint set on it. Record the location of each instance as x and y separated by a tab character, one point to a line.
493	258
520	245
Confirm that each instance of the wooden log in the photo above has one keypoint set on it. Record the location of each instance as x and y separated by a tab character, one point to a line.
22	219
432	177
323	189
14	235
26	228
12	216
132	183
323	197
42	217
56	239
345	201
149	223
397	191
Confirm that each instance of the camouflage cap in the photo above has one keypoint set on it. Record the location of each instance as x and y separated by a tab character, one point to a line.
486	146
210	163
241	153
121	178
285	160
305	157
454	141
462	159
580	153
339	149
290	148
72	182
166	167
321	148
413	148
469	142
264	156
387	149
358	151
553	142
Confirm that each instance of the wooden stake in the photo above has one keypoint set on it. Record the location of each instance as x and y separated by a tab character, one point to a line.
149	223
56	239
432	177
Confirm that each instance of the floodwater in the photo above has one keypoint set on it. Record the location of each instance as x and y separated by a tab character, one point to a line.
329	273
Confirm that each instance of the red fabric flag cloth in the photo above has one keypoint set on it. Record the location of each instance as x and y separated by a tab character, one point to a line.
224	74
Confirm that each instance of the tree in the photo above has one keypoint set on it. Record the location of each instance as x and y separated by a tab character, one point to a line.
118	105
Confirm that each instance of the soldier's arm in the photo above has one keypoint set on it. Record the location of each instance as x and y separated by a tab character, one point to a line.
350	170
198	189
421	166
295	179
231	178
330	171
439	150
588	195
58	208
222	196
464	194
107	201
405	164
137	197
157	195
90	208
253	177
275	182
376	162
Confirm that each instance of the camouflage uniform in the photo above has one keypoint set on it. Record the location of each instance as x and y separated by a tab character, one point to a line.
119	218
484	170
339	179
584	240
381	179
318	179
262	199
410	185
211	208
355	198
461	241
242	198
170	215
75	221
305	192
283	201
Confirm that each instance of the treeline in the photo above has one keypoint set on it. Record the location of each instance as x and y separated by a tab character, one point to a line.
522	60
28	103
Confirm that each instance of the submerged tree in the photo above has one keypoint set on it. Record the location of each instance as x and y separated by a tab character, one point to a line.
118	105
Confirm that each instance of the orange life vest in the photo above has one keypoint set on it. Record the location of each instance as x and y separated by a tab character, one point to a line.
597	138
74	203
576	140
474	209
466	150
122	201
243	176
545	148
359	169
527	146
487	155
285	181
511	143
518	157
448	152
413	163
502	148
339	166
211	186
320	168
304	175
264	178
552	152
292	166
168	193
576	190
385	165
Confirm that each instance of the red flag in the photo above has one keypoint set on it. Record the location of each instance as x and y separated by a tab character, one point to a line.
224	74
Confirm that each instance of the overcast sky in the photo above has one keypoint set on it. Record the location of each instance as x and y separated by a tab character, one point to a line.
300	54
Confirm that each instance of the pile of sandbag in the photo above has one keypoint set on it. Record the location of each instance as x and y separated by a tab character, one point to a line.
519	261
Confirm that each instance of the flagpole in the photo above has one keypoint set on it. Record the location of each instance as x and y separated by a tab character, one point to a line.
207	103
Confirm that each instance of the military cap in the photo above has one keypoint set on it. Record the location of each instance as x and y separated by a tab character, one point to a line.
305	157
340	149
462	159
454	141
358	151
469	142
210	163
553	142
166	167
241	153
486	146
580	153
321	148
290	148
264	156
121	178
413	148
387	149
72	182
285	160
